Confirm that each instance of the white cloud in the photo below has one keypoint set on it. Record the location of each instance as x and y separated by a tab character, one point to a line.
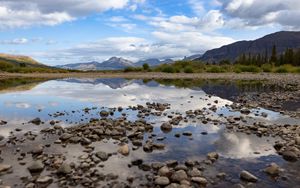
24	13
262	13
16	41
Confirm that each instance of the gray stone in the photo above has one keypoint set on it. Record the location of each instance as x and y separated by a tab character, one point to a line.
35	167
289	156
162	181
179	176
247	176
64	169
102	155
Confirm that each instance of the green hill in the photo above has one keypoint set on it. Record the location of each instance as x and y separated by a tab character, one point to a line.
23	64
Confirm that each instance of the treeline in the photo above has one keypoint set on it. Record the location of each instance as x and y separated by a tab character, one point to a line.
290	56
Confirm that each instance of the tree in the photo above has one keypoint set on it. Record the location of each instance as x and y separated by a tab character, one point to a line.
146	66
273	58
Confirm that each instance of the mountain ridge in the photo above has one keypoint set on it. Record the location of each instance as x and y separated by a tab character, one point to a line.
282	40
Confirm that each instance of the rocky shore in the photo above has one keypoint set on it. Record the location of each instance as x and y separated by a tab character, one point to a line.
50	168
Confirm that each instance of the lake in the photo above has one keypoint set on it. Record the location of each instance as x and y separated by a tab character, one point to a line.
72	102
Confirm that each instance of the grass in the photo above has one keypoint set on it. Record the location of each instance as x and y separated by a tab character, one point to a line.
199	67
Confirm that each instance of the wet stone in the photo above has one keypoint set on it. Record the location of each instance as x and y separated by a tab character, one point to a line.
273	169
247	176
36	166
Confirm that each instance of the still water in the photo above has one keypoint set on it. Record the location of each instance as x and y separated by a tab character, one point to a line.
66	100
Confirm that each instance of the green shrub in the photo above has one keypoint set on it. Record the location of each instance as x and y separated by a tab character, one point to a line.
146	66
248	68
168	69
188	69
215	69
281	69
266	68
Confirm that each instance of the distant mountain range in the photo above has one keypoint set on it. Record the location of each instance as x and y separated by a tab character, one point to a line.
113	63
282	40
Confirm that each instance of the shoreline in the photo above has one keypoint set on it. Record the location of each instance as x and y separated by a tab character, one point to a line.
288	77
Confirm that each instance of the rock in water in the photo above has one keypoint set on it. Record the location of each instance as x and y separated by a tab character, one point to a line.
273	169
36	166
247	176
124	150
166	127
289	156
36	121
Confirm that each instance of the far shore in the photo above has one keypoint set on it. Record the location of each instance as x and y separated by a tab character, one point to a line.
273	77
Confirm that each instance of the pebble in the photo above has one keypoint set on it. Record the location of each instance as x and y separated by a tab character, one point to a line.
36	166
124	150
163	181
247	176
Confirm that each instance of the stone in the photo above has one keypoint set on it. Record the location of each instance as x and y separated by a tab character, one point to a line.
162	181
36	167
65	136
124	150
247	176
4	167
102	155
164	171
273	169
64	169
166	127
36	121
194	172
187	133
37	150
104	113
1	137
297	140
44	180
199	180
245	111
289	156
213	156
179	176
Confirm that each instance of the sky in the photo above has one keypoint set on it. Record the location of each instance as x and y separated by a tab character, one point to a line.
57	32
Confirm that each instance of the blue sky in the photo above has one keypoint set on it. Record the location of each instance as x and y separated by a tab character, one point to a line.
71	31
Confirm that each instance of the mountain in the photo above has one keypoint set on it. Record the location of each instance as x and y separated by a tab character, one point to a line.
282	40
193	57
18	60
81	66
113	63
153	62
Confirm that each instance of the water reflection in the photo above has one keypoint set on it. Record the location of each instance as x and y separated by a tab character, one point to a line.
71	96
